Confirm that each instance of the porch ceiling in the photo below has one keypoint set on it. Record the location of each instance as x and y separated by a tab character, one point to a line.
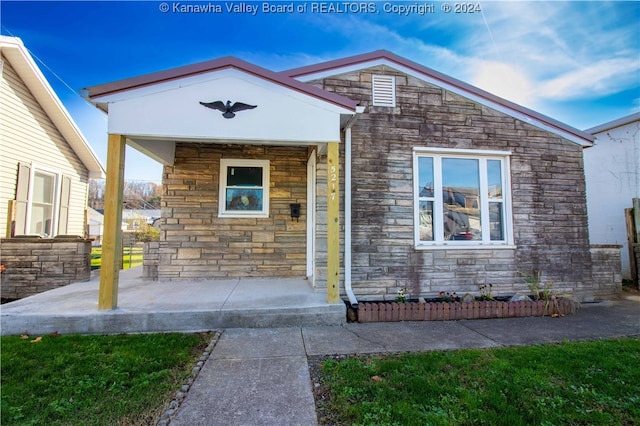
163	150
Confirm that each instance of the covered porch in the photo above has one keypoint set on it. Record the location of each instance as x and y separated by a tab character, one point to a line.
179	116
157	306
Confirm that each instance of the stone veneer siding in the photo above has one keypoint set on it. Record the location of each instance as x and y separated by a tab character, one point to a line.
196	243
35	265
606	269
547	190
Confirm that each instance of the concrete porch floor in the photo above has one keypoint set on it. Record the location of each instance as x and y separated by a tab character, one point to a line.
157	306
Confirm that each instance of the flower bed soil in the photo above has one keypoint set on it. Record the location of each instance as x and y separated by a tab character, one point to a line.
443	311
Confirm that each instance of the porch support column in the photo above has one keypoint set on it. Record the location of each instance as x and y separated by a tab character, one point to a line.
333	223
112	233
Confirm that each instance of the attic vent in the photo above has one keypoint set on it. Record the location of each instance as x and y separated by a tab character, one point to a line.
384	90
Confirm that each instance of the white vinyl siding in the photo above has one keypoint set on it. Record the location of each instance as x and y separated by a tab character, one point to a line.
28	136
384	90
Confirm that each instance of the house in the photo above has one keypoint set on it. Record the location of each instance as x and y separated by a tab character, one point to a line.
46	162
612	168
46	165
95	226
367	175
136	218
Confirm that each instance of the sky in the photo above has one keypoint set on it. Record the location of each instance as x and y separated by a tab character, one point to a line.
577	62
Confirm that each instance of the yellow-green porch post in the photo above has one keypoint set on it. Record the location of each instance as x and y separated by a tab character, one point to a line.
333	223
112	232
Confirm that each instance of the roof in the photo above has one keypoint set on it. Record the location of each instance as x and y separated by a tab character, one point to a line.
619	122
18	56
94	93
385	57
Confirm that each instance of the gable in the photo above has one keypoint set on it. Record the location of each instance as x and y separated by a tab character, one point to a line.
16	55
173	110
395	64
157	110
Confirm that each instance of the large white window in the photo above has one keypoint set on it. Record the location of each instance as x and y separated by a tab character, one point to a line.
462	198
244	188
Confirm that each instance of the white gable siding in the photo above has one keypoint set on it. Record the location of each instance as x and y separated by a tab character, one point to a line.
28	135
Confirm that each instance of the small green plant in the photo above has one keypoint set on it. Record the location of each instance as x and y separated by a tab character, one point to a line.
402	295
542	290
533	283
485	292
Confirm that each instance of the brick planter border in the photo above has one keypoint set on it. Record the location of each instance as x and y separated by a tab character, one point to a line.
442	311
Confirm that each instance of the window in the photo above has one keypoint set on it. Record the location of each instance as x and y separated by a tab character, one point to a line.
384	90
462	198
244	188
42	203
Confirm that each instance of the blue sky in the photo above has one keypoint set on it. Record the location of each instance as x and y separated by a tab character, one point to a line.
578	62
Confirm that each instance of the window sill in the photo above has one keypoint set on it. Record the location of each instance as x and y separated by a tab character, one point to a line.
466	247
244	216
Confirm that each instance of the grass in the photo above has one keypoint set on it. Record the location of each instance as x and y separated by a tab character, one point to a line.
557	384
94	380
132	256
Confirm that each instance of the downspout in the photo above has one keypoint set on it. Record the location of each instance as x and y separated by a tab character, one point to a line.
347	208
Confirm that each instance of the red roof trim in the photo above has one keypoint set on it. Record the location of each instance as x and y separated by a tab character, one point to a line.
391	57
215	65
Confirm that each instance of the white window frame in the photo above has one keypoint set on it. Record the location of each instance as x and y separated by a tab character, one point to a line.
57	182
438	222
225	163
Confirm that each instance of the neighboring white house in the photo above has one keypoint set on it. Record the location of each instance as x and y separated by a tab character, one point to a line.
135	218
95	226
612	168
46	162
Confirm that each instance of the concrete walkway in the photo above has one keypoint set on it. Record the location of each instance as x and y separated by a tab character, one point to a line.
261	377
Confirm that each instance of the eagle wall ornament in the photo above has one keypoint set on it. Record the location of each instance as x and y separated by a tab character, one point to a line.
228	110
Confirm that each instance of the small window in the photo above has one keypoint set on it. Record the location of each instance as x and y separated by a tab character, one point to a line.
244	188
462	198
384	90
43	194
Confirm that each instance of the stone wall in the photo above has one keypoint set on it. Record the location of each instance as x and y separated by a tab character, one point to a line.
34	265
547	188
150	260
196	243
607	271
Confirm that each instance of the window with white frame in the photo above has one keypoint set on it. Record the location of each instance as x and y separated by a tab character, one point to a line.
43	199
42	202
244	188
462	198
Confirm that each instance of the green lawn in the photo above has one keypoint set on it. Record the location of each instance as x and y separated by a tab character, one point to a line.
132	256
558	384
94	380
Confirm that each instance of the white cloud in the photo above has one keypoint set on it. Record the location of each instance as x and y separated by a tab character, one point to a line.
505	80
569	50
594	80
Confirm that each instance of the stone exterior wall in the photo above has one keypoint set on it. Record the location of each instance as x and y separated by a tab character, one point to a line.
196	243
606	270
547	189
150	260
34	265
